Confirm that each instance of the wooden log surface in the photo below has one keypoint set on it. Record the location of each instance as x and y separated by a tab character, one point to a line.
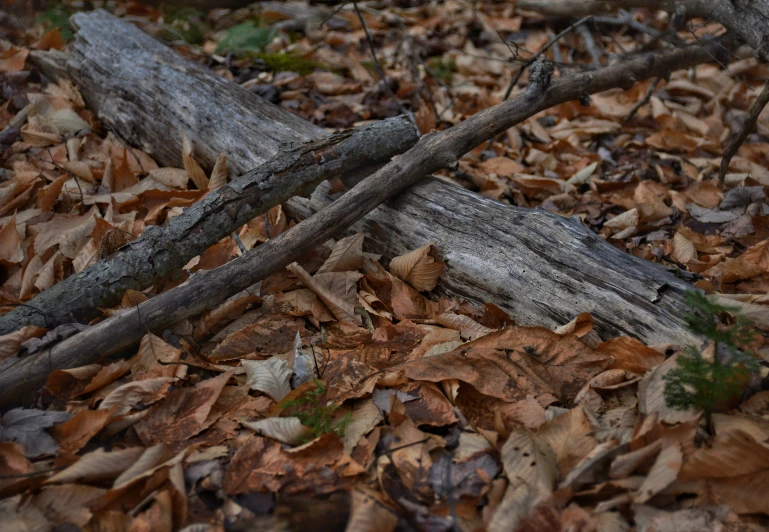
541	268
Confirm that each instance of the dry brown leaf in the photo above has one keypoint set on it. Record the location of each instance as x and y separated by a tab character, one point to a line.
219	174
649	201
569	436
342	310
468	328
183	413
531	470
194	170
515	362
11	343
631	355
11	251
346	255
662	474
418	268
171	177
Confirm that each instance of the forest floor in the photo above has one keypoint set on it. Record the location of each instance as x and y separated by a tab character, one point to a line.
414	412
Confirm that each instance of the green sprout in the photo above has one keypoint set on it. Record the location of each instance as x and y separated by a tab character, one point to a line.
443	68
703	383
245	38
316	414
57	16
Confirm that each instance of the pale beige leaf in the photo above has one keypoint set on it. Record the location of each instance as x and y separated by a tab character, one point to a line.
418	268
79	169
468	328
269	376
151	460
342	310
649	201
583	175
67	122
125	397
623	221
194	170
219	174
171	177
683	249
288	430
369	513
98	465
569	436
662	474
346	255
364	418
651	395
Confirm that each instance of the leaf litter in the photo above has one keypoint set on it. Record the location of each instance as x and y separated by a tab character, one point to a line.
340	390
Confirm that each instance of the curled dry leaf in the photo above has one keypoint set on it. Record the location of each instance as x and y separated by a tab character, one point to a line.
288	430
347	255
365	417
683	249
418	268
662	474
342	310
219	174
11	343
468	328
194	170
171	177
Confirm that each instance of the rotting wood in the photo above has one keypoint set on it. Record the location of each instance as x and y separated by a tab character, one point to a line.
162	251
663	303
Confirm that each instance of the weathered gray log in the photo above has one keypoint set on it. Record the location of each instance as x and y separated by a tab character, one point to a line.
163	250
631	301
146	93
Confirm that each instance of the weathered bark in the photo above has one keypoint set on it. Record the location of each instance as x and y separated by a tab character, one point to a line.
162	250
633	302
746	18
147	93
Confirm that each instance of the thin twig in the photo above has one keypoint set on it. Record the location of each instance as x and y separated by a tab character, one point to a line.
531	61
590	44
747	127
380	71
643	101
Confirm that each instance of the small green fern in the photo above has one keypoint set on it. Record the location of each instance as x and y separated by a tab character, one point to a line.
703	383
57	16
245	38
316	414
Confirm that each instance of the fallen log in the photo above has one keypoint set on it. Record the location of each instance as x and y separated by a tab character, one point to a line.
162	251
433	151
147	94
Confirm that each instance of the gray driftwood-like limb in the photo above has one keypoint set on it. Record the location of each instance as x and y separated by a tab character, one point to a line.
751	117
652	304
746	18
162	250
